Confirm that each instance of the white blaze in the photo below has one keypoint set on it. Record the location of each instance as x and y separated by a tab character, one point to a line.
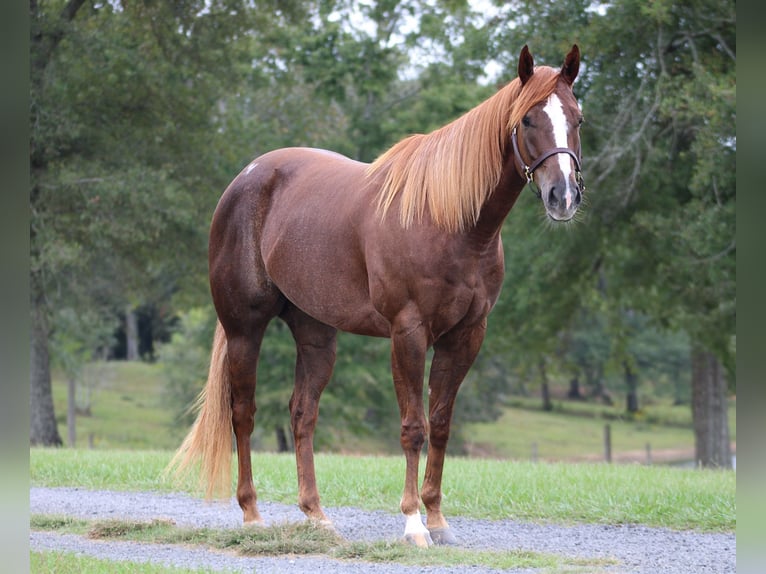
555	110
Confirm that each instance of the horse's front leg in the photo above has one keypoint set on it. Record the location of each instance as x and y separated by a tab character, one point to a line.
453	356
408	352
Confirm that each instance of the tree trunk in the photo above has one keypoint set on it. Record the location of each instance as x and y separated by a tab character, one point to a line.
594	378
131	334
574	390
71	411
281	439
709	411
632	382
678	389
42	419
546	392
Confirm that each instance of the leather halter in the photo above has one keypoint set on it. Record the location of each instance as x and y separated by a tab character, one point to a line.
529	170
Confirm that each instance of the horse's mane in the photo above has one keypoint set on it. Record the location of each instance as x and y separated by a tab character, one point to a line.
452	171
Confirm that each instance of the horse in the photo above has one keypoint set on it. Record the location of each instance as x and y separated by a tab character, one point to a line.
407	247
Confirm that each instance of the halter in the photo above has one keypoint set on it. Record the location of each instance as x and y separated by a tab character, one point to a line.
529	170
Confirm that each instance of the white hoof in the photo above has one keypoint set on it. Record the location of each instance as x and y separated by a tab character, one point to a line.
416	533
420	540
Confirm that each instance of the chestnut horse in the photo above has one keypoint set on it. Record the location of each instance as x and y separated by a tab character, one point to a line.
407	247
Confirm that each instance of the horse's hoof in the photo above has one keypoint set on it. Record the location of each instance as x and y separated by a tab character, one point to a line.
419	539
443	536
256	523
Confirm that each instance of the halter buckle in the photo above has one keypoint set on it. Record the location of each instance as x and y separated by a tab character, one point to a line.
529	174
580	180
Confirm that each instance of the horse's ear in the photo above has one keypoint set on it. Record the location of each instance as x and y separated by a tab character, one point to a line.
571	65
526	65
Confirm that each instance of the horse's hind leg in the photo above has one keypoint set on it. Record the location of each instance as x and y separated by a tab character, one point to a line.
315	343
242	361
245	323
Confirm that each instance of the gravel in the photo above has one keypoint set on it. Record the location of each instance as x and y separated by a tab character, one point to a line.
638	549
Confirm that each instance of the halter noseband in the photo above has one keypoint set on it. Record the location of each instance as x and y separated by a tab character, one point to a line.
529	170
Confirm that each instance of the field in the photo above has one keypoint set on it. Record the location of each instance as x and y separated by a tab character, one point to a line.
127	409
128	412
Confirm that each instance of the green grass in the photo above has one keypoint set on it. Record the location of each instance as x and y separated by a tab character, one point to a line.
653	411
493	489
563	436
127	408
575	431
69	563
305	539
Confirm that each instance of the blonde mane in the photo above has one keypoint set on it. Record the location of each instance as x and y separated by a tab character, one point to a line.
452	171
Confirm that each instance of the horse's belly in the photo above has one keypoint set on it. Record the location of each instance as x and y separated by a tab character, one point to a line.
325	279
334	305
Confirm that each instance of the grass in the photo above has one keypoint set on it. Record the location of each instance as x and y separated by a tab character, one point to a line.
492	489
69	563
127	408
654	411
306	539
565	436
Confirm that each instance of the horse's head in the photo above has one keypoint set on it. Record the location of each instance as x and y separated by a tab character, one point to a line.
546	140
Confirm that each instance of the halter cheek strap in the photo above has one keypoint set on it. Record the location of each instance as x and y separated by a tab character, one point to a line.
529	170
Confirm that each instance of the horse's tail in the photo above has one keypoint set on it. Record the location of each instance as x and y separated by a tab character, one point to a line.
210	439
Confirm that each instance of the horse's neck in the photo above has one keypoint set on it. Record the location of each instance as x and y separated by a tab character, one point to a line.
499	204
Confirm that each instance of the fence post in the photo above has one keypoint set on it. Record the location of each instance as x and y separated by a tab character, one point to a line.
648	454
607	443
534	452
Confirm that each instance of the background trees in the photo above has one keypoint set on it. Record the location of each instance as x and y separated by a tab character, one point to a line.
142	112
122	156
674	199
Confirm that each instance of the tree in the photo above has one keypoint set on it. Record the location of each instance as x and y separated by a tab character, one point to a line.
122	136
45	35
77	341
670	145
658	94
709	409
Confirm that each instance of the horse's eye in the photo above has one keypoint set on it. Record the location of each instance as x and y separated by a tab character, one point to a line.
580	121
526	121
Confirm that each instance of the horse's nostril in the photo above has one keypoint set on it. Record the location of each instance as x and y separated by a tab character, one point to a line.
553	199
578	196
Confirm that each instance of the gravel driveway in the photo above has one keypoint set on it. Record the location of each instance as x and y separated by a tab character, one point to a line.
638	549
